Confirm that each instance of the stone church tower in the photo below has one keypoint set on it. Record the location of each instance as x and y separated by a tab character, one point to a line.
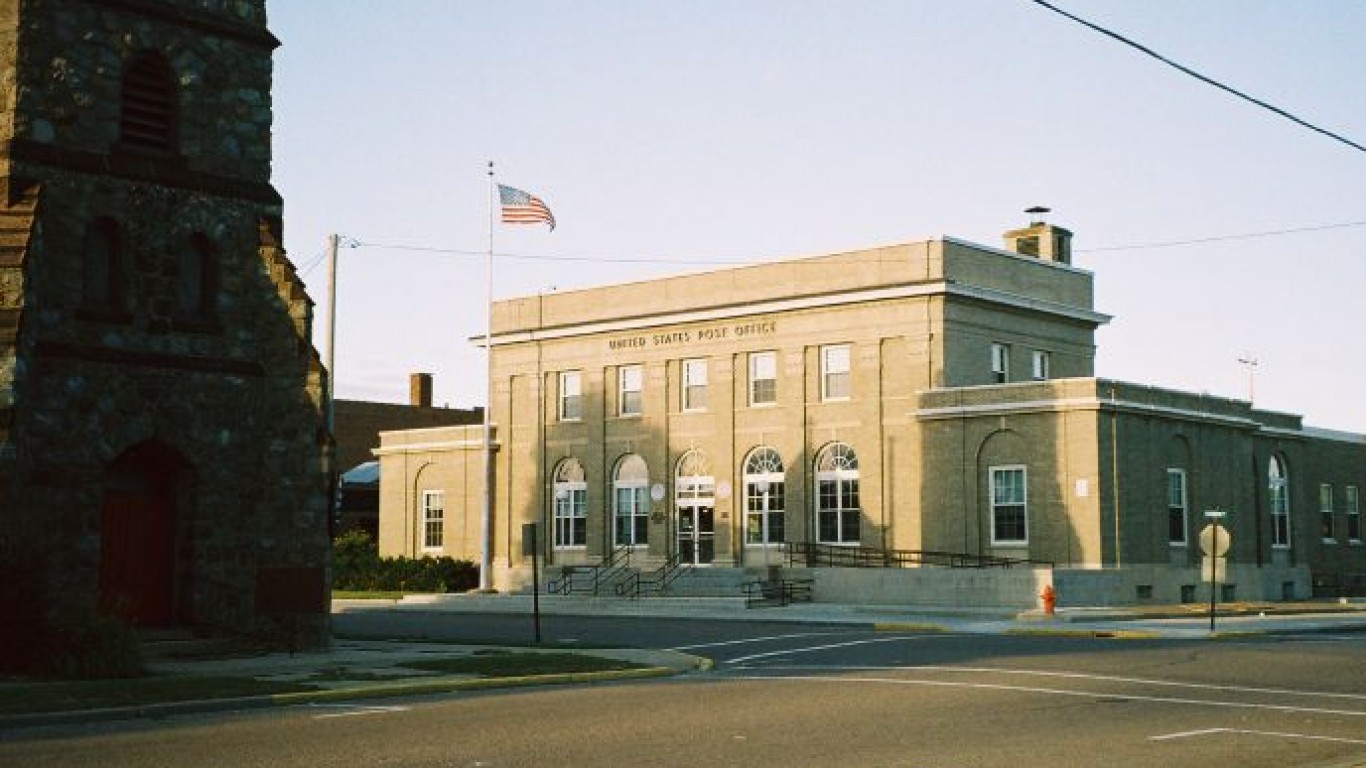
163	455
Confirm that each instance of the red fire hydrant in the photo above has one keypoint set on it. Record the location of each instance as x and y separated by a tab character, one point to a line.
1049	598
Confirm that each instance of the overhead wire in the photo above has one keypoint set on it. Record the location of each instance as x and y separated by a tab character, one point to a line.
1201	77
355	243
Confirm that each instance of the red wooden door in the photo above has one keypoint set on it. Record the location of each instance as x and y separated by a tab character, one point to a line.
137	575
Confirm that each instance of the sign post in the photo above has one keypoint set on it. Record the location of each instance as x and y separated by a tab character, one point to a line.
1214	543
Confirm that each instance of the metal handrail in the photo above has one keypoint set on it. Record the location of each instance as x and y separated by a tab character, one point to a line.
596	575
836	556
658	580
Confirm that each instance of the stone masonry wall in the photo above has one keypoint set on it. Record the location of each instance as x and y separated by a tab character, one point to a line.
236	392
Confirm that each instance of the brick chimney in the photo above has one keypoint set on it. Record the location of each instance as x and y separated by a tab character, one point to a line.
1041	239
420	390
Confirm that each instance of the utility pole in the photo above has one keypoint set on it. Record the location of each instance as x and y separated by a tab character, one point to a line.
331	351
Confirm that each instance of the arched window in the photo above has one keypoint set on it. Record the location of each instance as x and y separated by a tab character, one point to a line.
149	113
196	278
101	267
631	489
765	518
571	505
837	502
1278	493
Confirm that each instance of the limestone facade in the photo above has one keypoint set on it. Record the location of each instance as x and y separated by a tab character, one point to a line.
937	396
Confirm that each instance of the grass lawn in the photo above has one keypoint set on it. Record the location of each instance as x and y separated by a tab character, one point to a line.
342	594
21	697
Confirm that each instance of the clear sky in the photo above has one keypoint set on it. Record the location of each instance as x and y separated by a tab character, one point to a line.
670	137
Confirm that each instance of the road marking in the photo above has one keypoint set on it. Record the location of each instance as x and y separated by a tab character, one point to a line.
1059	692
354	710
1108	679
814	648
766	639
1278	734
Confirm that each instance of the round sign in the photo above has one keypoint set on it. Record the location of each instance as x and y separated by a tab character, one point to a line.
1214	540
723	490
657	492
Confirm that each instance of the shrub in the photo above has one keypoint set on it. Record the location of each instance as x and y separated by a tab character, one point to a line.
89	645
74	642
356	565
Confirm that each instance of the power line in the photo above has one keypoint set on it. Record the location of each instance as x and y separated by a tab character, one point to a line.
720	262
1187	70
1219	238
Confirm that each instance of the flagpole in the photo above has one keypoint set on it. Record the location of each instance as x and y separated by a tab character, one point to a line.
485	542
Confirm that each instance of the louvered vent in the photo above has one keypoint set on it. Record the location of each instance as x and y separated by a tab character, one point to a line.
149	104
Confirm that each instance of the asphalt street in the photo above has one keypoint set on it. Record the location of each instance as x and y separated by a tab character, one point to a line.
801	694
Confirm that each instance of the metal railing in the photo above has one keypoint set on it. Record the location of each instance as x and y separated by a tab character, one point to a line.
656	581
590	579
811	555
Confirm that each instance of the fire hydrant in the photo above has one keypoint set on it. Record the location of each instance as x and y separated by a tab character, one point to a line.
1049	598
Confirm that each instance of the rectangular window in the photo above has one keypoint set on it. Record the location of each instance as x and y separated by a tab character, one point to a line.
1000	363
1326	529
694	385
835	372
838	515
1009	516
630	384
1176	507
1040	365
1350	500
1279	497
763	378
633	516
433	519
764	516
571	520
571	396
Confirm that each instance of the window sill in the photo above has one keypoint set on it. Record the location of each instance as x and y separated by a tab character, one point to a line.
1178	544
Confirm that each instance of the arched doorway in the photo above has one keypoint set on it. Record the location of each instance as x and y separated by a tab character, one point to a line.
138	532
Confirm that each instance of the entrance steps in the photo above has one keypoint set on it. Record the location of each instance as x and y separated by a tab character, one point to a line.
710	582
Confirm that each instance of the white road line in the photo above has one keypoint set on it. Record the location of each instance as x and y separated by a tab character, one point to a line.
766	639
354	710
1057	692
1105	679
814	648
1245	731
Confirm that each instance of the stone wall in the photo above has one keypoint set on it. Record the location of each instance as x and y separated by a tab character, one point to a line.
233	391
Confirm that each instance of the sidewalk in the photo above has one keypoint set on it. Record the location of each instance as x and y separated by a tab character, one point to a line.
1164	621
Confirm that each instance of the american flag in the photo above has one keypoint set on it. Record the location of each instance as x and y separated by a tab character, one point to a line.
522	208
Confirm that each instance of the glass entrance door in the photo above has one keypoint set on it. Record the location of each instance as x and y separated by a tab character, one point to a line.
696	534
